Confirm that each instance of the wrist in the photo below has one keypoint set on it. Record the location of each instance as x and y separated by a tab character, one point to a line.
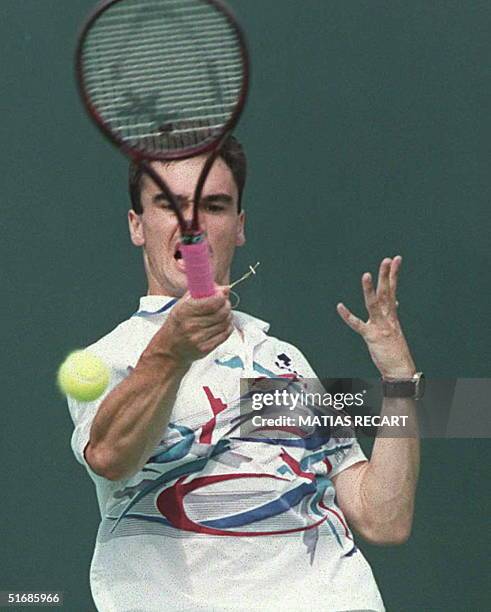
404	369
164	352
399	374
163	359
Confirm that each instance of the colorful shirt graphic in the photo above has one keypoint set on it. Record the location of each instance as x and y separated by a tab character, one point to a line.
217	520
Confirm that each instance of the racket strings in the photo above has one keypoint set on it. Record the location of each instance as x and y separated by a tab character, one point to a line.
163	74
113	41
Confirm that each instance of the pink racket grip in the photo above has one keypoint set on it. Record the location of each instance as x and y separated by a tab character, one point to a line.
198	269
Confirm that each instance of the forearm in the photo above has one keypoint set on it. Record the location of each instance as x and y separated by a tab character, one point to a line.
132	418
389	481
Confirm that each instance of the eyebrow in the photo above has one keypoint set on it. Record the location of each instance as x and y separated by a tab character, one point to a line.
224	198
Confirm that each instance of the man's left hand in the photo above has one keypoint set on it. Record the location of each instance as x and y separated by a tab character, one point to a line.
382	332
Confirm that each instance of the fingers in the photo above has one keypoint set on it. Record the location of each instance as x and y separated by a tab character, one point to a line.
349	318
213	337
211	323
208	310
195	327
197	319
394	274
387	283
369	295
210	320
212	344
200	319
379	302
383	286
388	276
207	306
218	326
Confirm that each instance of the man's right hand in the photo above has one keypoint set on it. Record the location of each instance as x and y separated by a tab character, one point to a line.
130	420
195	327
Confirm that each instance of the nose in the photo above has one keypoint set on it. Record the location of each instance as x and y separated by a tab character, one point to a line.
187	208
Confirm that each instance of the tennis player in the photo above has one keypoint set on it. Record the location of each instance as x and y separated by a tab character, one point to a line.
194	515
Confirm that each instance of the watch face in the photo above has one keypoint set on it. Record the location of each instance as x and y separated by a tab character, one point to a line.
412	388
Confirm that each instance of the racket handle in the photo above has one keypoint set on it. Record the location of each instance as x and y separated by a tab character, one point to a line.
198	268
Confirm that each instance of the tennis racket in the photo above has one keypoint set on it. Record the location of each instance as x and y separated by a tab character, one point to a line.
166	80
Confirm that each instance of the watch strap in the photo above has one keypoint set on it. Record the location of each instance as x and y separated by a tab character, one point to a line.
404	388
399	388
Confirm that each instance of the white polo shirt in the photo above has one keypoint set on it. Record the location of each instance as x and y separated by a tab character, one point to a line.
216	521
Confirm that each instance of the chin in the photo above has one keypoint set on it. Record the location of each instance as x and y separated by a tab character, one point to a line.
222	278
179	290
175	288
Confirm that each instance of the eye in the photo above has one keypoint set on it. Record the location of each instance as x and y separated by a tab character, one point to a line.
165	204
212	207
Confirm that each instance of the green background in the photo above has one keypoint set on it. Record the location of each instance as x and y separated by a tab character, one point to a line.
368	135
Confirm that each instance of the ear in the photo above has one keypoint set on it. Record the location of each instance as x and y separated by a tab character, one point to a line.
136	228
240	239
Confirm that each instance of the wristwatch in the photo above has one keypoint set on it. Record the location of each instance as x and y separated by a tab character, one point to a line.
411	388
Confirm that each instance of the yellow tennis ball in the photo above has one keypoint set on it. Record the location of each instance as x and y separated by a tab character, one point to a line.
83	376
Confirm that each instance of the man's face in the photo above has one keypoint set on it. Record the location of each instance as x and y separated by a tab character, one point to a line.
157	230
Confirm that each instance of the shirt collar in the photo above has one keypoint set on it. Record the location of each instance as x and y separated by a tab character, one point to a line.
246	321
158	304
154	304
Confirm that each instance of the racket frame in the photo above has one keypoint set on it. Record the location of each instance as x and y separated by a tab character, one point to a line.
187	152
191	235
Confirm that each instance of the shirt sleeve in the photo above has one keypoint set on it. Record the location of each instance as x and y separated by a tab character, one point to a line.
344	451
108	349
351	453
83	414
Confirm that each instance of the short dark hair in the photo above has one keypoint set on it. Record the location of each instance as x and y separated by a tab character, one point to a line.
232	154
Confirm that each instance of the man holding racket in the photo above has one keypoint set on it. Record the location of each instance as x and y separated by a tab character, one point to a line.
196	515
193	516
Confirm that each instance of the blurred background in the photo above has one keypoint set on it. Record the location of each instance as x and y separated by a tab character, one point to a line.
367	131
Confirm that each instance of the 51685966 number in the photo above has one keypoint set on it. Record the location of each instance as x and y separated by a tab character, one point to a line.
31	598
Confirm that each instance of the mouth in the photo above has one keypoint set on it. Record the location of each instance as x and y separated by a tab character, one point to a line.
179	260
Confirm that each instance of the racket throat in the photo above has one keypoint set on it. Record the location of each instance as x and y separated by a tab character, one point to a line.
193	238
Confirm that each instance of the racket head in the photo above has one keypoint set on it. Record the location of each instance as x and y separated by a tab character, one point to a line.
129	75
